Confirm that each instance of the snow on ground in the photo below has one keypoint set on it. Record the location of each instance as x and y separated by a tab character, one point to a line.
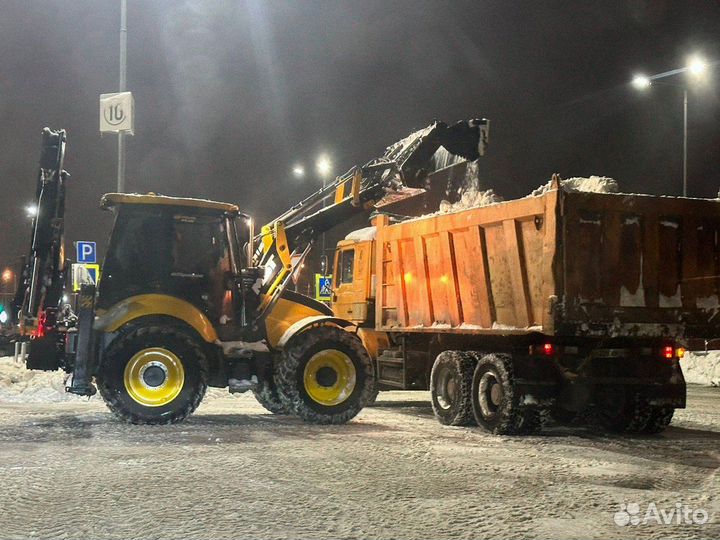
70	470
702	368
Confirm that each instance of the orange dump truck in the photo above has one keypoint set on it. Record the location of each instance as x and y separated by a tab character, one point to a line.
564	303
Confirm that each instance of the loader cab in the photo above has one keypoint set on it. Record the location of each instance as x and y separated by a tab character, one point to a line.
353	281
183	248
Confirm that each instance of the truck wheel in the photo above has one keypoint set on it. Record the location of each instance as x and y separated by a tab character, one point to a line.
624	411
533	421
153	375
660	418
494	399
325	376
451	388
267	395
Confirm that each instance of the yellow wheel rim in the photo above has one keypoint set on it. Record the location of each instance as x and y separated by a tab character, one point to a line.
329	377
154	377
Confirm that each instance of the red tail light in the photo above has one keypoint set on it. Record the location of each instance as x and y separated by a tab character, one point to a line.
41	329
668	352
548	349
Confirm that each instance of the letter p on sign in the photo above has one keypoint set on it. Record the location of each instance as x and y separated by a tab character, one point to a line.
86	252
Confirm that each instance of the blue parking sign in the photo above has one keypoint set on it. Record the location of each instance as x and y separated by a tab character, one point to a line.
86	252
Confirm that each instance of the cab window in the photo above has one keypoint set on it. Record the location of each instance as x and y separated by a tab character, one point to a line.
346	259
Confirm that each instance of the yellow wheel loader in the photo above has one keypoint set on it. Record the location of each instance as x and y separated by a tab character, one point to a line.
191	297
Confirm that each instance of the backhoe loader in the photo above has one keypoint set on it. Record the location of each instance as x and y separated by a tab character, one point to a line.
191	297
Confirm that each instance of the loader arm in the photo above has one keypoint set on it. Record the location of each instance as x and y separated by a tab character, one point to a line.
40	287
403	169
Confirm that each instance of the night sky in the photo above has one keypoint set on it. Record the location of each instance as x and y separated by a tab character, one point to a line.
230	95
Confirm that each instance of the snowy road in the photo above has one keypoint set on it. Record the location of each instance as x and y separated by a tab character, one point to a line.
69	470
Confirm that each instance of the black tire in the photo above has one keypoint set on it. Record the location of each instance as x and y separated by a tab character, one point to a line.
622	410
267	395
308	347
451	388
495	401
182	344
660	418
373	397
534	421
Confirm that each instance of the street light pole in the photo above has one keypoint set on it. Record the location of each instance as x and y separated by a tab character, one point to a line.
695	67
685	141
123	83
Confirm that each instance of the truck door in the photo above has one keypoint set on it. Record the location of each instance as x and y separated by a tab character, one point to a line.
351	282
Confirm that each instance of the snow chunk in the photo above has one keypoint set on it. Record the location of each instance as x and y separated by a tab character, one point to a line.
362	235
471	198
591	184
702	368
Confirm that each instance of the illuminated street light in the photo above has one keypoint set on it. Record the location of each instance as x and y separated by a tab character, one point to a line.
31	210
641	82
323	166
697	66
7	275
298	171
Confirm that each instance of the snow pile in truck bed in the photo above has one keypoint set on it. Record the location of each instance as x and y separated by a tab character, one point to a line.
362	235
591	184
471	198
701	368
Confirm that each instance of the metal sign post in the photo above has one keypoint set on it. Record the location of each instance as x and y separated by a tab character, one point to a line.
117	110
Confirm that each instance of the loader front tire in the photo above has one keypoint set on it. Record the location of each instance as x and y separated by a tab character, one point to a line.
451	388
325	376
153	374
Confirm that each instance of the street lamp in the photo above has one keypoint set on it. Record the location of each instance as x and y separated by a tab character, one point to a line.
298	171
31	210
7	275
641	82
695	67
323	166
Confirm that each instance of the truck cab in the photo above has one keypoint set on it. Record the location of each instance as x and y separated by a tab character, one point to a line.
353	282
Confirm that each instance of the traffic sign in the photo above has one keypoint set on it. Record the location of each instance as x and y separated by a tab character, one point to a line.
86	252
117	113
85	274
323	288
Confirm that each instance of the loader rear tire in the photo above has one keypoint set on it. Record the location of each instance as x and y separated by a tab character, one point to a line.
325	376
153	374
494	398
451	388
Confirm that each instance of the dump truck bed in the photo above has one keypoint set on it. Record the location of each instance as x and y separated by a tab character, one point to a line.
563	263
